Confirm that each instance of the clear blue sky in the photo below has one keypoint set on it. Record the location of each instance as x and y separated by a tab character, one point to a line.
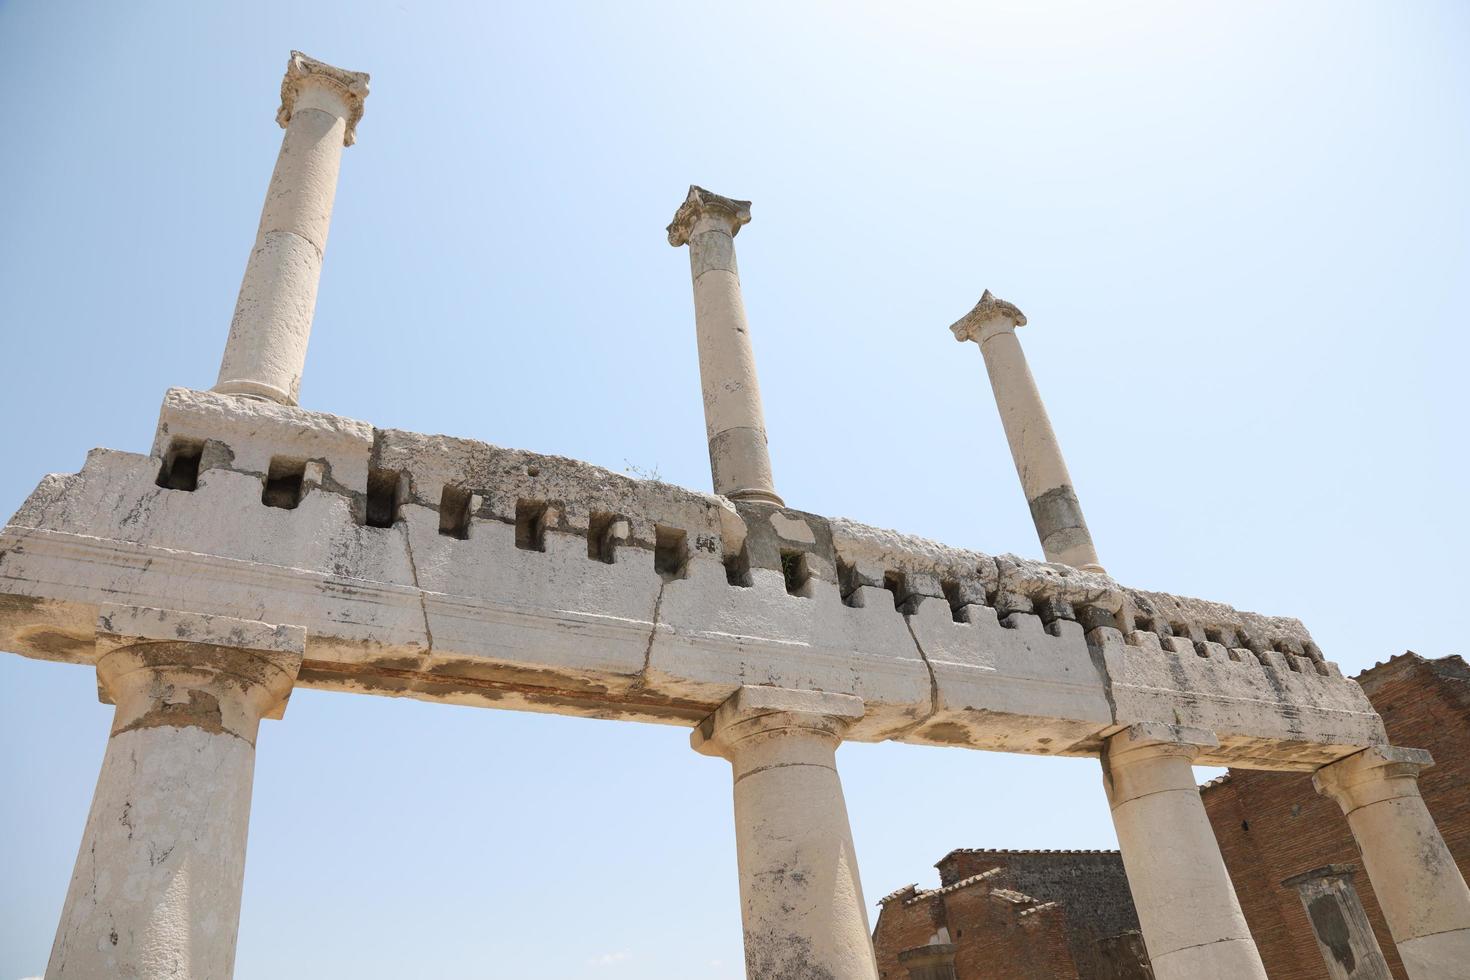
1239	231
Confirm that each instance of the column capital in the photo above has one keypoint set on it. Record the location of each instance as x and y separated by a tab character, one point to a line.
752	712
1383	772
1159	738
164	668
304	73
705	206
989	317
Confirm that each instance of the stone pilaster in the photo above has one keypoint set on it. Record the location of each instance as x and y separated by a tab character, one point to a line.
1044	478
1417	883
1341	927
800	897
266	350
733	418
1191	919
156	889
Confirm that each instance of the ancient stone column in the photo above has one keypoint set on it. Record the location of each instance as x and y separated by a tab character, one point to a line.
1416	881
1044	478
733	419
932	962
801	900
264	357
1344	934
156	889
1187	907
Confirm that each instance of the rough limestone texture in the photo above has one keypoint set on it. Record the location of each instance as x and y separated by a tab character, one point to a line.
1186	902
266	350
156	888
801	899
447	569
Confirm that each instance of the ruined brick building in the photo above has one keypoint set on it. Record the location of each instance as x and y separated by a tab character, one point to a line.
1018	915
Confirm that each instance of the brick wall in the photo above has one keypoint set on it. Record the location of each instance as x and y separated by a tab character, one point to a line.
1274	825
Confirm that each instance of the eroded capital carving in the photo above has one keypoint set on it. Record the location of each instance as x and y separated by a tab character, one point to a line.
989	316
164	668
753	713
303	72
1376	774
702	203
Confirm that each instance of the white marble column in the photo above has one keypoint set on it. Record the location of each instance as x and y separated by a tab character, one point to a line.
1044	478
266	350
156	889
801	900
1415	878
1191	919
733	418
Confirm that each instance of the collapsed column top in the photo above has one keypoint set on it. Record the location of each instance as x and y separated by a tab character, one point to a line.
303	72
702	203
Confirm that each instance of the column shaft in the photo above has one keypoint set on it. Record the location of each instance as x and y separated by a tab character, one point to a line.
1418	885
1055	509
734	420
266	351
1191	919
156	888
801	899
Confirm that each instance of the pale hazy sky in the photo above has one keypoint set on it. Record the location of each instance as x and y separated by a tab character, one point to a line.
1239	231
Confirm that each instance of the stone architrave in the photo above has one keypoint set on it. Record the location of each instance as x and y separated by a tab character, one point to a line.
156	889
800	896
1055	509
1414	876
266	350
733	418
1191	918
1343	932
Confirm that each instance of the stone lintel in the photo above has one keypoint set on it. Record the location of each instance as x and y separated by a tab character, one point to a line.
350	86
756	710
700	203
989	316
1327	872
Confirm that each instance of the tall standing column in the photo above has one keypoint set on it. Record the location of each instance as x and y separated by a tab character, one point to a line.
801	900
1415	878
733	419
156	889
1344	934
1044	478
266	351
1191	919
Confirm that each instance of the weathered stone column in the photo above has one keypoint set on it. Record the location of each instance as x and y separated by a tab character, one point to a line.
264	357
801	900
733	419
1343	932
1416	881
1187	907
156	889
1044	478
932	962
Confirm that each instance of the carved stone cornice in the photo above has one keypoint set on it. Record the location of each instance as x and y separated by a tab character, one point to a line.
303	70
987	313
701	202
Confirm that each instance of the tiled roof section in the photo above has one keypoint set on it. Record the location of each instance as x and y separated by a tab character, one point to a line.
1041	908
921	894
899	893
1012	896
1217	781
1006	850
